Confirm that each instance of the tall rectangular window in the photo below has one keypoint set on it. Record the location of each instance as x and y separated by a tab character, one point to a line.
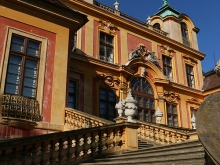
107	104
23	64
106	48
190	76
172	115
167	67
72	94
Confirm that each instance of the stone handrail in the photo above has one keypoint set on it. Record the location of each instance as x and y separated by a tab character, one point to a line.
162	134
70	147
75	119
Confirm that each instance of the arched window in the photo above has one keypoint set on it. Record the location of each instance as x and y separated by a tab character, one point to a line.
143	93
156	26
185	34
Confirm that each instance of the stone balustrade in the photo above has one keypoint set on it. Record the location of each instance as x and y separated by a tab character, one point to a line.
162	134
75	119
70	147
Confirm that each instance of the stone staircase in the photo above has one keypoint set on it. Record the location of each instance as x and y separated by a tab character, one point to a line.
185	153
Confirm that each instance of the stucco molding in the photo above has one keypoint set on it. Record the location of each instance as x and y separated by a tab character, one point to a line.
109	80
189	60
107	27
167	51
171	97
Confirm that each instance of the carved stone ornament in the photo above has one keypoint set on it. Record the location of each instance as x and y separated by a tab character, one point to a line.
143	72
143	53
109	80
190	60
166	50
171	97
139	52
107	26
193	103
152	58
217	68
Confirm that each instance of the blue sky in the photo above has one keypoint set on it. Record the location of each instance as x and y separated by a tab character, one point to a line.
203	13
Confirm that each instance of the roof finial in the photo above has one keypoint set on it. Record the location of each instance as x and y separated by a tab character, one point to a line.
116	4
165	2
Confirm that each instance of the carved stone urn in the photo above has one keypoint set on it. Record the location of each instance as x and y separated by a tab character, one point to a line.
193	121
120	106
130	107
159	115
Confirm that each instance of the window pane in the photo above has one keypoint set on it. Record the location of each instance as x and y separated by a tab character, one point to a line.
102	37
175	120
15	59
109	39
71	90
169	120
31	73
72	84
16	47
29	92
146	114
71	105
17	43
102	52
139	114
11	88
174	110
146	104
14	69
29	82
111	107
33	44
32	51
168	106
151	104
103	105
139	103
14	79
152	117
31	63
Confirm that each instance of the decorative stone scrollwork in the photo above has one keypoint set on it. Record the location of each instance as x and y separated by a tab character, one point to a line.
97	138
89	140
65	145
73	143
171	97
81	153
89	151
166	50
104	136
139	52
107	26
190	60
109	80
57	146
81	141
152	58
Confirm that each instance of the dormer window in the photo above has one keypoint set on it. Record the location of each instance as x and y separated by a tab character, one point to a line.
185	34
157	26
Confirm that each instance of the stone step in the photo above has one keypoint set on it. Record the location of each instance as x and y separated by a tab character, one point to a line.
169	146
184	150
191	159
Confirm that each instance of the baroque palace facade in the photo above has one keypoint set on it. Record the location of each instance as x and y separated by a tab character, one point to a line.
46	65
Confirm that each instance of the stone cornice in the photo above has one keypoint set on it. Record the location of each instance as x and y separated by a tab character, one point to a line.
139	29
186	88
103	64
53	11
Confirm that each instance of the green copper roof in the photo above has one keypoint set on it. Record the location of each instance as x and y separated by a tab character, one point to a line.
167	10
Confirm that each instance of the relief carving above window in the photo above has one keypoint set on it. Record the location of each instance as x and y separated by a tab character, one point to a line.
107	27
190	60
166	50
171	97
109	80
